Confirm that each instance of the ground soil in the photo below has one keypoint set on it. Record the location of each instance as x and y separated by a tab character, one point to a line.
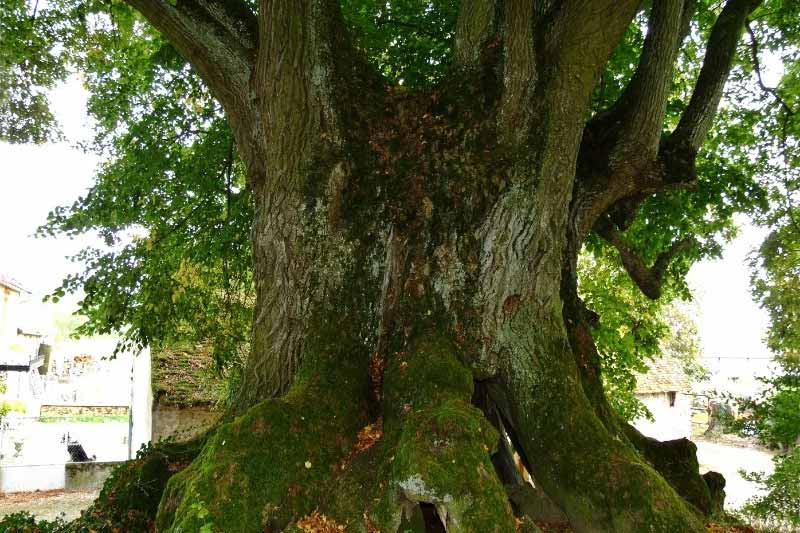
48	504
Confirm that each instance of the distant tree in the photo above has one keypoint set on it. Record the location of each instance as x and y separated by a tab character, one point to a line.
773	416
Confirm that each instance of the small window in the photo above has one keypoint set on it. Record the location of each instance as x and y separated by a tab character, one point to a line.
671	396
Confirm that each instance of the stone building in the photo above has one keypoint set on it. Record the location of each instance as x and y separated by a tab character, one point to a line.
186	392
666	391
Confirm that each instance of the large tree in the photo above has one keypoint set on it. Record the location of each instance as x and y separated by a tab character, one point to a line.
416	229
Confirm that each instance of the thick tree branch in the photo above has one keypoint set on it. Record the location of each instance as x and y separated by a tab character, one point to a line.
619	148
622	153
649	279
636	120
555	49
519	72
698	117
235	16
476	24
583	32
218	40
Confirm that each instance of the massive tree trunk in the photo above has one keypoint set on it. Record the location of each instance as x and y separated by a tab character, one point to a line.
414	256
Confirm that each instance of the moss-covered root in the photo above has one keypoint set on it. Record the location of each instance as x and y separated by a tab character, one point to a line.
602	484
130	496
442	445
270	465
676	460
599	480
302	460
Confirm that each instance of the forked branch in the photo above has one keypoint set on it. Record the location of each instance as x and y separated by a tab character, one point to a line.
698	117
633	125
787	109
649	279
621	155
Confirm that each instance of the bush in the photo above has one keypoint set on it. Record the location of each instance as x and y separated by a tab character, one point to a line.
24	522
780	506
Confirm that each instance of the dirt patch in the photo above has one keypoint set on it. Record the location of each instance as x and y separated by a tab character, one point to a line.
48	504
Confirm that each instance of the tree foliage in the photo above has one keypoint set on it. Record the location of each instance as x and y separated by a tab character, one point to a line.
773	416
171	202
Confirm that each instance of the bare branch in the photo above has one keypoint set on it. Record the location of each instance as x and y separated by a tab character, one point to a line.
650	280
699	115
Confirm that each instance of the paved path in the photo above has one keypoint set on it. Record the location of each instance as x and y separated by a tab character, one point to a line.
728	460
49	504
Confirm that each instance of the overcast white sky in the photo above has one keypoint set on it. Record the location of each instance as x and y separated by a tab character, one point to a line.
35	179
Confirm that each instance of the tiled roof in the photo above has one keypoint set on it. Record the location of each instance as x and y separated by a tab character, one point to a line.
185	375
11	283
666	374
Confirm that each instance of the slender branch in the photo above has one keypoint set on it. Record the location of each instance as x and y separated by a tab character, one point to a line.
757	67
650	280
698	117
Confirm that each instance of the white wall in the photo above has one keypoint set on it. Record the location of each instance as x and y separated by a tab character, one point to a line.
671	422
31	477
142	409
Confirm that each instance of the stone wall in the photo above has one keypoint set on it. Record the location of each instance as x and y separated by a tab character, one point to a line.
84	410
701	414
182	423
87	476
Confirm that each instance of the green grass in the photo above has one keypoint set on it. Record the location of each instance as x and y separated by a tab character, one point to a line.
90	419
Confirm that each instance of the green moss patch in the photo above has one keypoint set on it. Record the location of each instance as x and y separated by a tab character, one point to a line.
269	466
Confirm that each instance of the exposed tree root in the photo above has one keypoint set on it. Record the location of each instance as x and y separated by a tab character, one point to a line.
130	496
269	466
420	459
286	459
676	460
